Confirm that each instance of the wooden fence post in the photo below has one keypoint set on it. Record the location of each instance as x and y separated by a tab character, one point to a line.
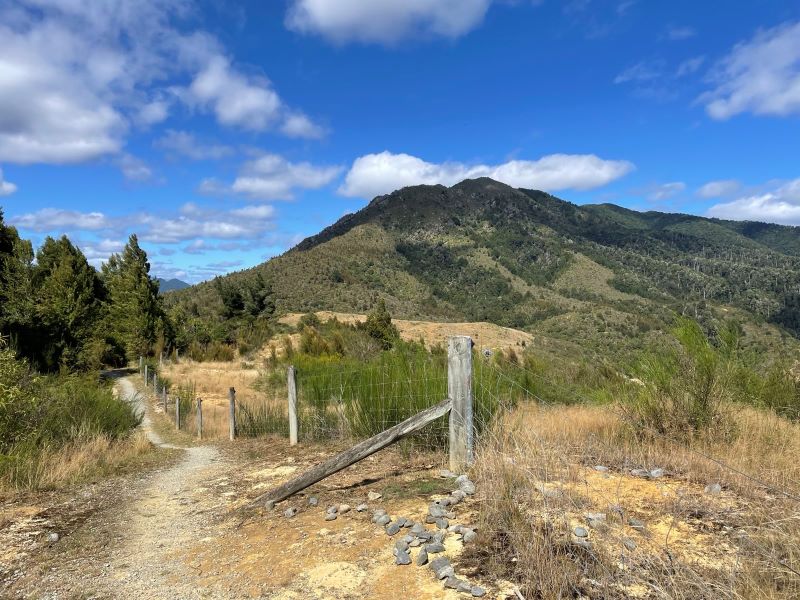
292	387
161	360
164	397
232	413
141	362
178	413
459	390
200	418
145	377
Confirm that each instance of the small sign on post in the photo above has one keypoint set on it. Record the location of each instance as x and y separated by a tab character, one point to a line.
200	418
292	387
232	413
459	390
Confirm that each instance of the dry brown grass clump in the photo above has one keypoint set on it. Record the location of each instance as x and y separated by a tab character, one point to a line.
78	460
662	537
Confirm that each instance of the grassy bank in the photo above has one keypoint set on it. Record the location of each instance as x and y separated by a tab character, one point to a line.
58	429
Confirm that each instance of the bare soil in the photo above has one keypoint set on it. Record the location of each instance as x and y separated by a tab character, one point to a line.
184	530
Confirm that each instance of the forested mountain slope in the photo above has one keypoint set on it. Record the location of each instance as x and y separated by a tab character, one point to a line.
483	251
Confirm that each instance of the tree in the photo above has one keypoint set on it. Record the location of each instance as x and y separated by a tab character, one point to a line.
68	303
136	315
379	326
16	258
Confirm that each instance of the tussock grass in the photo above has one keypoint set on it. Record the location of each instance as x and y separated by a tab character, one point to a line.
740	544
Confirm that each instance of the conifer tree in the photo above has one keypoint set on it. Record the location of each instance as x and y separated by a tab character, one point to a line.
135	315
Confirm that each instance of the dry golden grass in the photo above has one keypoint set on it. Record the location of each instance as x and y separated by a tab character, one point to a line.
485	335
537	471
84	457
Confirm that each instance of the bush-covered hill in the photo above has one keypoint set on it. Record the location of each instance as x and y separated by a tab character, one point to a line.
601	275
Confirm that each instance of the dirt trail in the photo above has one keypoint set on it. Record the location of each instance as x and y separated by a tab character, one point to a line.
171	534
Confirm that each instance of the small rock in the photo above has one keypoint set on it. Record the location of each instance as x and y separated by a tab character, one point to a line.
331	516
53	537
468	535
636	524
436	511
422	558
401	546
446	474
445	572
580	532
443	502
290	512
409	523
601	469
477	591
269	504
442	523
640	472
332	510
438	537
656	473
418	528
361	508
408	538
378	514
384	520
458	494
392	529
414	543
454	528
430	520
313	501
402	558
713	489
452	582
343	508
629	544
401	521
372	496
453	500
434	548
464	587
438	563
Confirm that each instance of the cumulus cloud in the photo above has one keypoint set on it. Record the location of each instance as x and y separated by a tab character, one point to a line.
298	125
385	21
183	143
761	76
6	187
375	174
75	77
272	177
134	169
191	222
779	205
718	189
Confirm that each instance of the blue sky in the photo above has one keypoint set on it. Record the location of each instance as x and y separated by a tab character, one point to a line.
222	133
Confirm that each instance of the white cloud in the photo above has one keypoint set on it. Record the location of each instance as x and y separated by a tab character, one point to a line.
689	66
134	169
717	189
75	76
385	21
272	177
642	71
375	174
678	33
247	102
185	144
665	191
761	76
298	125
780	205
62	220
263	211
6	187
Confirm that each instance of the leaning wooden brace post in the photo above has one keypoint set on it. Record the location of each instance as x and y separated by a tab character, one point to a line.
459	389
178	413
200	418
358	452
232	413
292	387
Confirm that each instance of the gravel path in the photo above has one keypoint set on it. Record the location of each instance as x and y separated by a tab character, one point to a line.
140	545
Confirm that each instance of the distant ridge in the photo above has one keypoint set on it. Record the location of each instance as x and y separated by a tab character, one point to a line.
171	285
